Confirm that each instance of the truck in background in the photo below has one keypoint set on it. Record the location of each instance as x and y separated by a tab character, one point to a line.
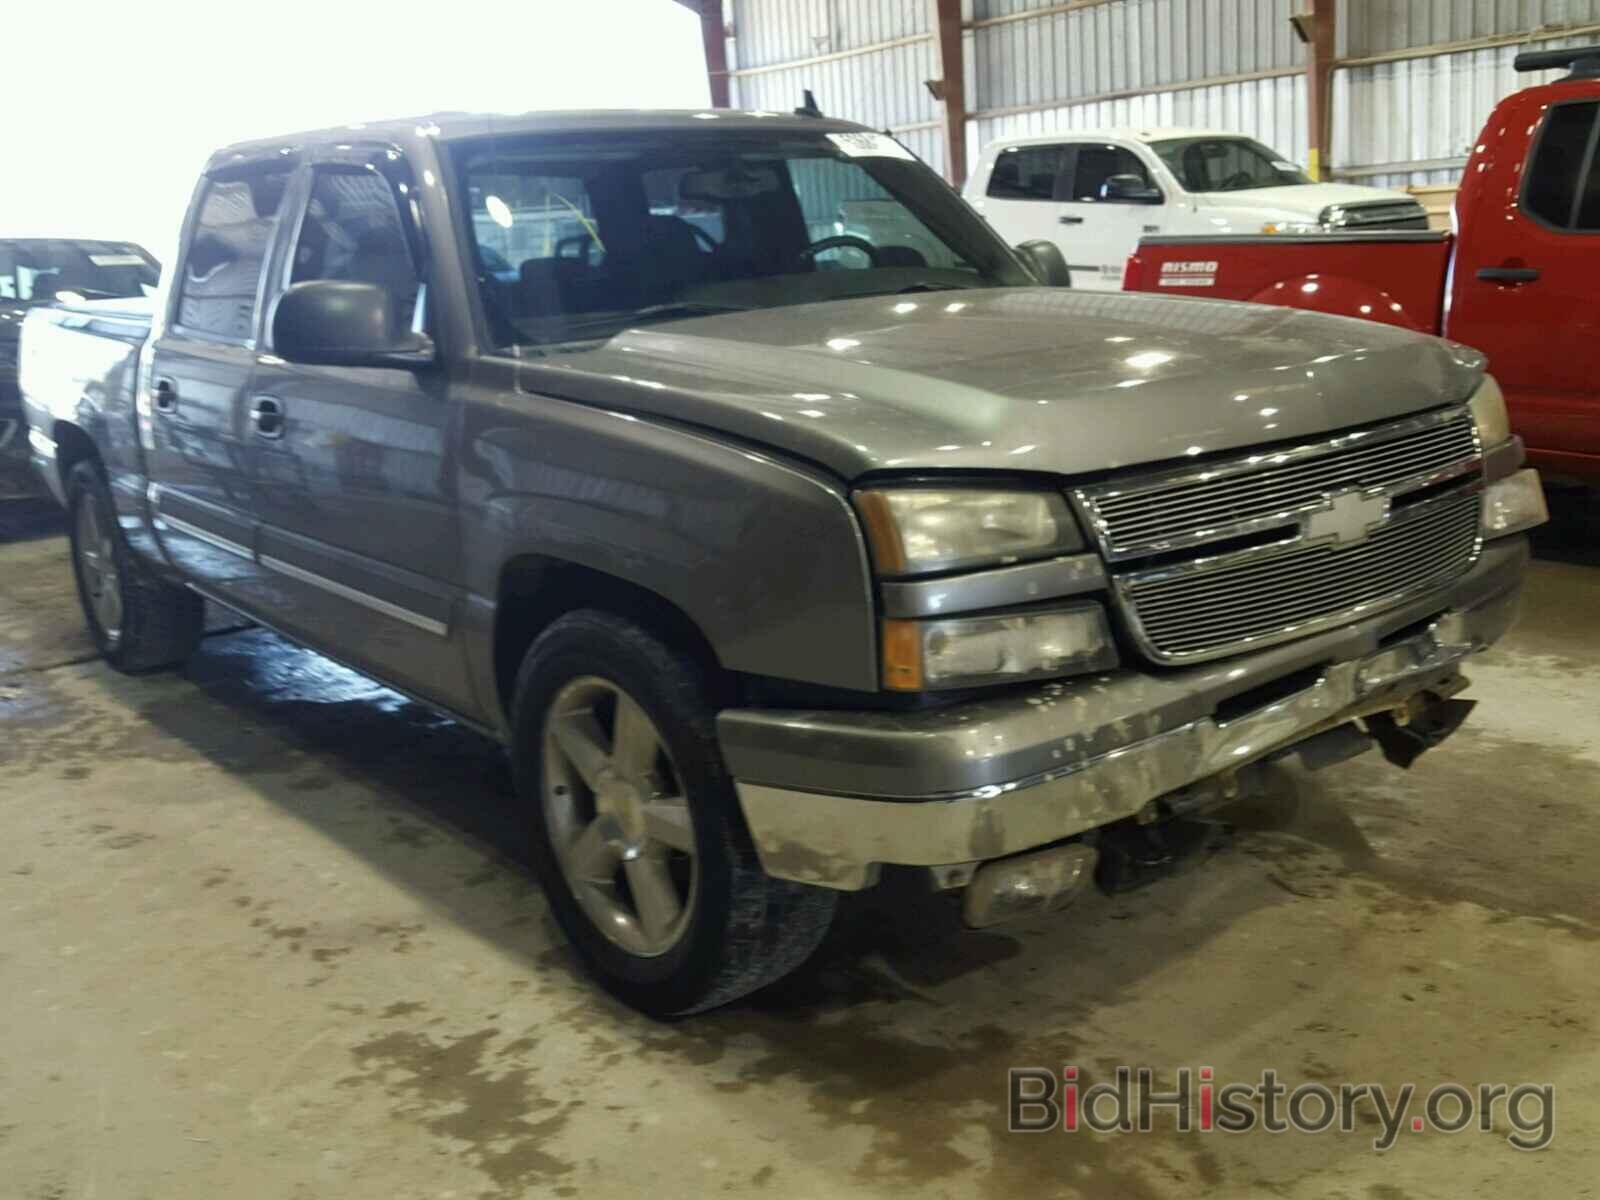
1096	193
1515	278
38	271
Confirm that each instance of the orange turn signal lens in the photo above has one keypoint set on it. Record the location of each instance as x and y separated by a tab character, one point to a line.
883	532
902	656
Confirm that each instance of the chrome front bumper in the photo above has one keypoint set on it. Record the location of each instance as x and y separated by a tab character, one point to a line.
829	796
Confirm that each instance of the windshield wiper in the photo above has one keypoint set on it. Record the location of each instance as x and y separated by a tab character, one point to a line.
913	287
934	287
599	327
682	308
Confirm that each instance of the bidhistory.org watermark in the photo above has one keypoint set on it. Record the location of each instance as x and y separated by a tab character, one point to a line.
1039	1100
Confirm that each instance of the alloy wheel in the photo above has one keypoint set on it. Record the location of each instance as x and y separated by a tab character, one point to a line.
97	567
618	817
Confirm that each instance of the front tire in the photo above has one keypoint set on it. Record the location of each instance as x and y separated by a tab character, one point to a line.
636	832
139	622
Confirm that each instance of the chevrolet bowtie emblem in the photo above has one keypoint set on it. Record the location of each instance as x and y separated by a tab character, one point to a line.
1347	518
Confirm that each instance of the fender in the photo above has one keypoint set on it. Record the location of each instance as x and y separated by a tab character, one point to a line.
764	555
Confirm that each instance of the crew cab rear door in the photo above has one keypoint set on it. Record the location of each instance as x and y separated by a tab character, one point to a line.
1102	229
1523	287
354	486
1022	198
201	362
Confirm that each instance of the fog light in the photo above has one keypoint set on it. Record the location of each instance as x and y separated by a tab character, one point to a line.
1513	504
1028	884
970	651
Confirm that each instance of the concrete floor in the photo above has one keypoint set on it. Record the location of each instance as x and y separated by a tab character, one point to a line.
264	934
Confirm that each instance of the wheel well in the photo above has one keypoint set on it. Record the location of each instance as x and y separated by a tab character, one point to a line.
534	591
73	445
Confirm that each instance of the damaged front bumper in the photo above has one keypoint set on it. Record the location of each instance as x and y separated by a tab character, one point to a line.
830	796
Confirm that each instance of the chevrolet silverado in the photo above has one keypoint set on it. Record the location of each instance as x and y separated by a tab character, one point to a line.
774	555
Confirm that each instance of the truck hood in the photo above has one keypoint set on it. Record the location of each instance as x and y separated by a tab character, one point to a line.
1025	379
1300	201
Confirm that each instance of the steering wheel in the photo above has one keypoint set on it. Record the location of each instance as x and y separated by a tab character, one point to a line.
1239	179
839	241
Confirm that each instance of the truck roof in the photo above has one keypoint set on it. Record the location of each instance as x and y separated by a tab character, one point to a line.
1126	133
450	126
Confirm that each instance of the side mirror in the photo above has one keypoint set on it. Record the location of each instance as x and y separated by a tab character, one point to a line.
1130	189
329	322
1044	260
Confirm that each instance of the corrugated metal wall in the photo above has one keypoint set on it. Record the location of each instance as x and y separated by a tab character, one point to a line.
1271	110
1369	27
1100	63
779	31
1128	45
882	88
1412	122
1095	66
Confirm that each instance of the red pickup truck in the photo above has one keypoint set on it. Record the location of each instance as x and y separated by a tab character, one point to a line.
1517	277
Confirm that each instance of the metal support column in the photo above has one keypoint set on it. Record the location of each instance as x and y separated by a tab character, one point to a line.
1319	85
713	36
952	87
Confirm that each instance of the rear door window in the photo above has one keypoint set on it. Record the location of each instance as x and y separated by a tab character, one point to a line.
1561	188
222	269
353	231
1026	173
1097	162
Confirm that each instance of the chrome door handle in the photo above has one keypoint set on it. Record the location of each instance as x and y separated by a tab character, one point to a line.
266	413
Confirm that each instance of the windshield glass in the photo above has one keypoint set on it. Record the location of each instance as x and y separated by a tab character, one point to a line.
581	237
43	269
1211	164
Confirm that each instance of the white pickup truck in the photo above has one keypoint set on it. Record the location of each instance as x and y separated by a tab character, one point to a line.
1095	193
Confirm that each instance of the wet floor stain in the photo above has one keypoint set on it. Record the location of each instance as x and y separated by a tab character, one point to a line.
880	1042
1319	831
452	1088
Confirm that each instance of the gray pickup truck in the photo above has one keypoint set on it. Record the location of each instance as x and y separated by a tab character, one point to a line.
774	555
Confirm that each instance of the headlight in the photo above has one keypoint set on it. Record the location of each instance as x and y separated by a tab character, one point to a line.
916	530
1293	227
1513	504
967	651
1488	408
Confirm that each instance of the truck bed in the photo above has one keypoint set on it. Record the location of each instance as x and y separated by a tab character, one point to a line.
1396	278
80	364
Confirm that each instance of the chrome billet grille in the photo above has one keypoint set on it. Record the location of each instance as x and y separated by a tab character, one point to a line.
1211	560
1260	492
1380	214
1190	613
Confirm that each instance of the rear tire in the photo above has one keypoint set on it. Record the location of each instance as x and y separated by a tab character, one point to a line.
139	621
729	928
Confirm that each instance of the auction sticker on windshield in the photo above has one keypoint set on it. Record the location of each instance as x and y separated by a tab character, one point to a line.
870	145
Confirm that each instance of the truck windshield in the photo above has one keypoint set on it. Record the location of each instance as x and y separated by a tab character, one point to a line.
44	269
578	238
1212	164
